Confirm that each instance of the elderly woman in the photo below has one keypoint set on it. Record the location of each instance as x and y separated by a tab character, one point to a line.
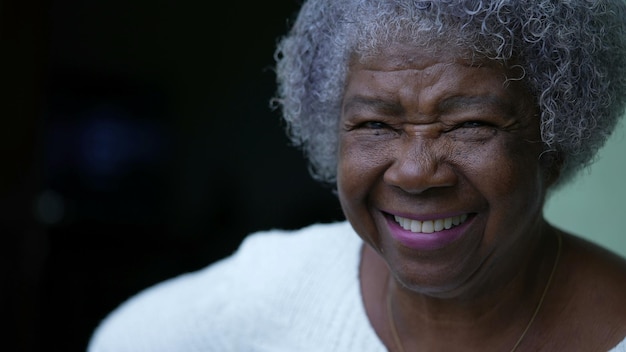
444	126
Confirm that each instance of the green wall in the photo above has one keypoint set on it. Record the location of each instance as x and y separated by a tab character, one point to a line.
594	205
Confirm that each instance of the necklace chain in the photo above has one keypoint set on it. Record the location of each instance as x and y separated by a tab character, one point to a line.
398	342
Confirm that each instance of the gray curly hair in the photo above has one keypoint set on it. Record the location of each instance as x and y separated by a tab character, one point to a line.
572	53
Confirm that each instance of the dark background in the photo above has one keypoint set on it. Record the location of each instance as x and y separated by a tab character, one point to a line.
137	143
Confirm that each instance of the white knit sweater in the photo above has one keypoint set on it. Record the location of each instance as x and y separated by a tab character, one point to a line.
280	292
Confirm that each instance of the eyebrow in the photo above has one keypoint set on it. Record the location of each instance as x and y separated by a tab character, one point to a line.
392	108
453	103
461	102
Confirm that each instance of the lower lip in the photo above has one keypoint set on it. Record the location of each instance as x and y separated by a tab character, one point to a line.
426	241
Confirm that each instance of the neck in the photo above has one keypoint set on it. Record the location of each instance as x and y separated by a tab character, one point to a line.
469	316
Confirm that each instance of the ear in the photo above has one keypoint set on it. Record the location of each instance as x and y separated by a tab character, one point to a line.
551	162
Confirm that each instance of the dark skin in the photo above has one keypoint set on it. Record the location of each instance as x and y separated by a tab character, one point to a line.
430	138
582	311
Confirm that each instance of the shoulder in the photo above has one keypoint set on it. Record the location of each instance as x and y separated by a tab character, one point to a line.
597	268
272	276
593	287
308	241
621	347
280	255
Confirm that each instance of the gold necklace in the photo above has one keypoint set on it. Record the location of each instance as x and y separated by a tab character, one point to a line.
398	342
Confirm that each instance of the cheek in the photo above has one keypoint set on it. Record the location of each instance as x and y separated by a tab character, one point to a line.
347	169
360	165
506	163
523	167
510	177
356	178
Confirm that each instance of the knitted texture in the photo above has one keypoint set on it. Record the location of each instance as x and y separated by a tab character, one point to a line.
281	291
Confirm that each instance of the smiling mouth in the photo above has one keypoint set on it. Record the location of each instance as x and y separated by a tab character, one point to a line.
430	226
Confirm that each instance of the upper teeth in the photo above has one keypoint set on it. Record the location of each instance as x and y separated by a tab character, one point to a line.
430	226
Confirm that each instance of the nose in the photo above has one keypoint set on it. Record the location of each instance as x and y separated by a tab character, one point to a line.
419	166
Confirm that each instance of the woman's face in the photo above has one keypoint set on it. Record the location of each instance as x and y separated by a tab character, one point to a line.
439	167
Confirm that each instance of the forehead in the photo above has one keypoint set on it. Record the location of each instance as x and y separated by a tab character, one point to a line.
409	73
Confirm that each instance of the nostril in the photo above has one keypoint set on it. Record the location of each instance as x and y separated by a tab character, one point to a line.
417	176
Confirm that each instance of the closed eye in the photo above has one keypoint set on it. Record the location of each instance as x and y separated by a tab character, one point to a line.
472	130
470	124
375	125
376	128
474	124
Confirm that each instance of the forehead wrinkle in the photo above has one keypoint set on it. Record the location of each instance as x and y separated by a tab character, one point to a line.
462	102
374	104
